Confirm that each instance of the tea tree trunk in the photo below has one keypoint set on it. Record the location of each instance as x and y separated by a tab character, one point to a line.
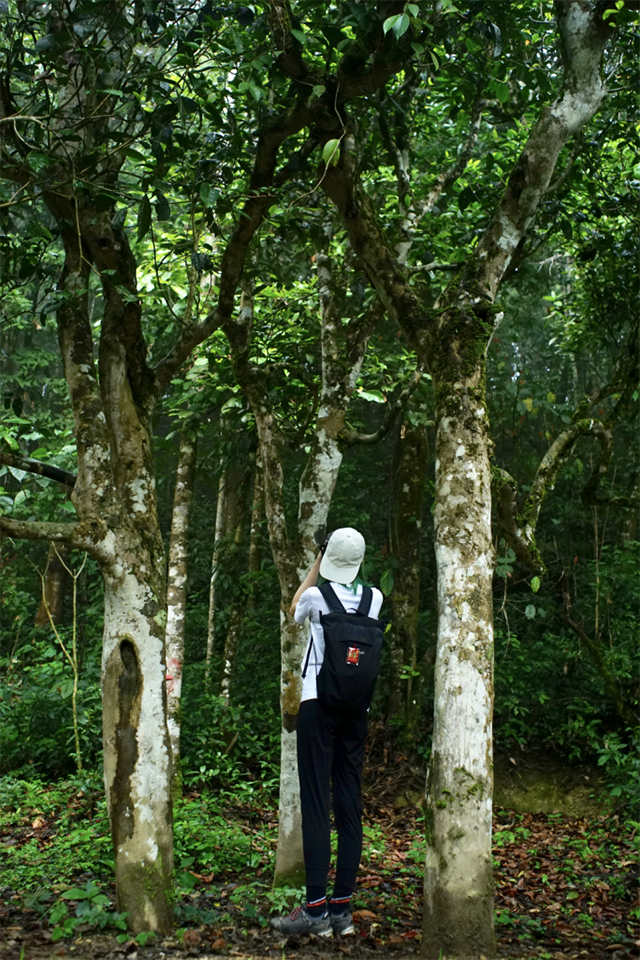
450	341
341	364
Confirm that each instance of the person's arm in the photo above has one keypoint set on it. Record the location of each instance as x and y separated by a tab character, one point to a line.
309	581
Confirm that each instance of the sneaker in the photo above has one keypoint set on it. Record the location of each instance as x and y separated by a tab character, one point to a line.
300	924
342	923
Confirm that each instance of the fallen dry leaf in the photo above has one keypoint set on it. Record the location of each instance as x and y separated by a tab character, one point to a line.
364	915
191	938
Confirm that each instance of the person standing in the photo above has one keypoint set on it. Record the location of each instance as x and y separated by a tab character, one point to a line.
330	750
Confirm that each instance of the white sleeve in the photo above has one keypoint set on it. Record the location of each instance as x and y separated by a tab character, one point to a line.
376	602
304	607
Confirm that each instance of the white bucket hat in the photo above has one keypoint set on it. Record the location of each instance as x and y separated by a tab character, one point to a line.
343	556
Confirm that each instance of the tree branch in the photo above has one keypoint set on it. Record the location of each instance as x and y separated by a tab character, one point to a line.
91	537
583	39
350	437
259	197
36	466
519	526
289	48
368	242
451	174
505	497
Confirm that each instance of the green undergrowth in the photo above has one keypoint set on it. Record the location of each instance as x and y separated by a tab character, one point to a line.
57	851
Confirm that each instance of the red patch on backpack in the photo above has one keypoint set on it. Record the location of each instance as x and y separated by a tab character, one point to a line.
353	655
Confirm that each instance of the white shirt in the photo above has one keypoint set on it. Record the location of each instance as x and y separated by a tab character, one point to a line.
311	604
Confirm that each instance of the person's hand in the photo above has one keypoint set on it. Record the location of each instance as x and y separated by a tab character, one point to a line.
323	548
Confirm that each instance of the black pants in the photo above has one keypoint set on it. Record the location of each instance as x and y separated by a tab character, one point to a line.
331	750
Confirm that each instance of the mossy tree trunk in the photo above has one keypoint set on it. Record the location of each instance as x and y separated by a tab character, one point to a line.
113	390
451	340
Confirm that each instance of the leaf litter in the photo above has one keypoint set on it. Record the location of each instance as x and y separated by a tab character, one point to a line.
564	888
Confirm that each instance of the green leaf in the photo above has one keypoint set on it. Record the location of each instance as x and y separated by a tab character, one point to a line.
300	36
386	582
390	22
373	396
530	611
402	25
500	90
413	9
567	229
75	893
331	152
144	217
535	584
163	210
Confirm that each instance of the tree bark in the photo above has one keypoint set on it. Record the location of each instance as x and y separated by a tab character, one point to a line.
458	885
341	364
218	534
137	752
451	341
177	582
237	521
56	579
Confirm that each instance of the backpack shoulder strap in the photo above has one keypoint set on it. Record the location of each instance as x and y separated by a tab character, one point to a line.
331	599
306	663
365	602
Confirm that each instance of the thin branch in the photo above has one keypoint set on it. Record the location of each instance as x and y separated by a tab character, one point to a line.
259	197
427	267
47	470
350	437
451	174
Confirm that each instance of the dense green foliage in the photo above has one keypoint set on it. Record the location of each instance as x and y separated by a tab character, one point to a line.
188	109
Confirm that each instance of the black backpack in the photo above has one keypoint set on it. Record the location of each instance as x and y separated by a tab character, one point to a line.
352	645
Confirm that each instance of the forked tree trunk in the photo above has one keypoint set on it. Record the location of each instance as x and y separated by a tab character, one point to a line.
451	341
112	402
177	582
55	586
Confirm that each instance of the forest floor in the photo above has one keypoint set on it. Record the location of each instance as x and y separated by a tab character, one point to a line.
565	887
